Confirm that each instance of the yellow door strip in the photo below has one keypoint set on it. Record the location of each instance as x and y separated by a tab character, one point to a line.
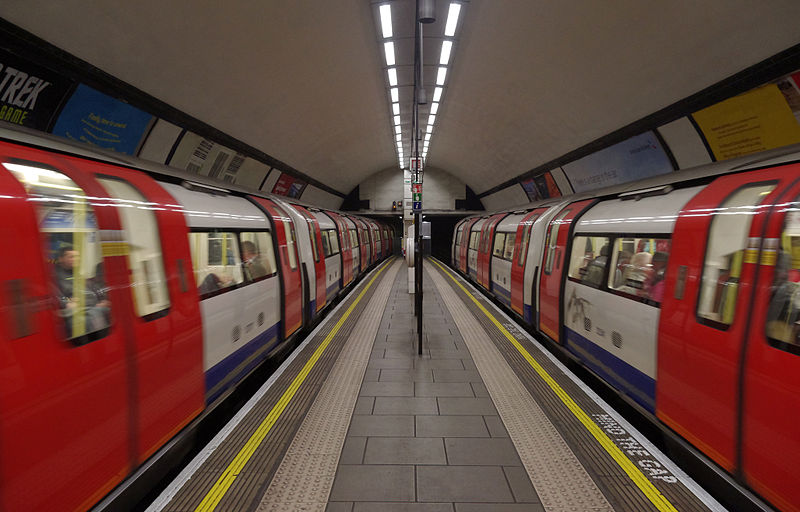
228	476
638	478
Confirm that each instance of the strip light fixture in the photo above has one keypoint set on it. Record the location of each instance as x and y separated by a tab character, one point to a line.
389	50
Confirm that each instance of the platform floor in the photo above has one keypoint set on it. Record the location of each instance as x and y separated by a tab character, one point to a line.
484	420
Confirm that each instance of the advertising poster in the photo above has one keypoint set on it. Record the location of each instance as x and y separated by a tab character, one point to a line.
636	158
542	186
754	121
530	189
289	186
94	118
30	95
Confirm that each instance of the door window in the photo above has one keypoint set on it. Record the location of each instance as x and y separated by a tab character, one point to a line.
508	252
68	224
499	244
589	259
727	241
523	248
552	240
638	268
258	255
142	247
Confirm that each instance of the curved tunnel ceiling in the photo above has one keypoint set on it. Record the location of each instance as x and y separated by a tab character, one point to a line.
304	81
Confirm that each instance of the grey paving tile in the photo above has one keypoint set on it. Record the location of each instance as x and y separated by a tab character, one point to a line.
451	426
496	427
373	483
493	451
390	363
477	484
389	375
498	507
441	375
470	406
401	352
377	353
405	405
353	450
382	425
439	364
339	506
443	389
449	354
364	405
521	486
469	365
479	388
372	375
387	389
405	450
403	507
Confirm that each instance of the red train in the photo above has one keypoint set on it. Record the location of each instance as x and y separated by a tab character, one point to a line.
134	297
682	292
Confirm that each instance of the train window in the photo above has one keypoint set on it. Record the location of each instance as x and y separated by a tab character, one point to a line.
499	244
473	240
552	240
523	248
353	238
72	245
727	241
290	244
508	253
333	241
638	268
783	314
216	261
312	235
589	259
326	247
142	247
258	255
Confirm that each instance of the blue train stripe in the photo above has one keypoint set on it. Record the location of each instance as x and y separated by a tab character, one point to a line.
502	294
614	370
527	313
231	369
331	291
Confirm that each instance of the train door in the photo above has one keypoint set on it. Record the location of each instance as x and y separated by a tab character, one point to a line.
485	251
553	268
474	248
315	234
505	241
285	240
518	263
166	323
772	366
345	250
64	339
705	311
363	243
355	248
463	261
455	250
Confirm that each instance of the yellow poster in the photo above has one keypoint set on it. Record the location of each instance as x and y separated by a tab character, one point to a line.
749	123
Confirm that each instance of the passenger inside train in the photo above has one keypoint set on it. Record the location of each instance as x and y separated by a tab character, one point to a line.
82	303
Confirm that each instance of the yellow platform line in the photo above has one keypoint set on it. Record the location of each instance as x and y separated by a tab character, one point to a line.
638	478
228	477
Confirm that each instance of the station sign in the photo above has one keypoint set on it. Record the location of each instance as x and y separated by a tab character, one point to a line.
417	197
416	188
417	206
416	164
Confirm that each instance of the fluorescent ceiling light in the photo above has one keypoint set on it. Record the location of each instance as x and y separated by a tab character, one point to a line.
399	138
427	138
397	129
388	48
393	76
446	47
395	94
396	120
437	94
439	76
396	109
386	19
431	120
434	108
452	20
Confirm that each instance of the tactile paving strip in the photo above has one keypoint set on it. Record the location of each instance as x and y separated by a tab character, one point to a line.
558	477
252	481
305	477
619	488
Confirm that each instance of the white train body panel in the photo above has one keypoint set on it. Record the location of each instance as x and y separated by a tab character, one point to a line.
472	254
501	264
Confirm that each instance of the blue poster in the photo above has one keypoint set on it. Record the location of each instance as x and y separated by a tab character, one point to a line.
94	118
636	158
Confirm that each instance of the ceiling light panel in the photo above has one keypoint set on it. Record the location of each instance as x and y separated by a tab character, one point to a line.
388	49
437	94
447	46
393	76
386	20
452	19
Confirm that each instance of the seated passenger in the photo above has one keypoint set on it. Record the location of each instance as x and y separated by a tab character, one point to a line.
89	302
252	261
654	286
623	262
596	268
783	315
